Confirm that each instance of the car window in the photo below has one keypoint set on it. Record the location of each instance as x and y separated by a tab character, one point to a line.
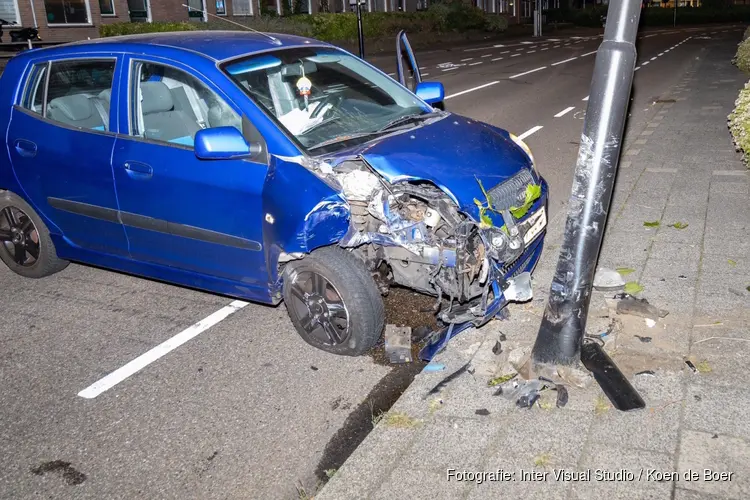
77	92
170	105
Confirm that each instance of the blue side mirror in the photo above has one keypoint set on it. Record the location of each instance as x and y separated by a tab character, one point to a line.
223	143
430	92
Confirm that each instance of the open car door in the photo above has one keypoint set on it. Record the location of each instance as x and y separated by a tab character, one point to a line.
407	68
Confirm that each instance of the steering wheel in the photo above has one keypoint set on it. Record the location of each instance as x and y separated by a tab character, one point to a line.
333	99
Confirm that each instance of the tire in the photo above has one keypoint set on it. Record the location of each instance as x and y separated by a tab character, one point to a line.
347	285
15	212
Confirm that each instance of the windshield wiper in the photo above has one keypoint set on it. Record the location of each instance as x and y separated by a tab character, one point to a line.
343	138
403	120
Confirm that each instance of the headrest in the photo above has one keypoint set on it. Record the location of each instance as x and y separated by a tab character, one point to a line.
75	107
105	95
156	97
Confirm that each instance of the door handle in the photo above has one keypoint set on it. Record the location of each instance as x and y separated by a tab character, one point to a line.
25	148
136	168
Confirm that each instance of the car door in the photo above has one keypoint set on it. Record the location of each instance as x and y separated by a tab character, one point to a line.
60	144
407	68
177	210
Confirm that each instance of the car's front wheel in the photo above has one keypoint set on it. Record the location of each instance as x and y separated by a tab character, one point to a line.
333	302
25	244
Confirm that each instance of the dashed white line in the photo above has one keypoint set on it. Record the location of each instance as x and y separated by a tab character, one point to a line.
588	53
653	59
467	59
565	111
472	89
546	48
518	50
529	72
636	68
450	69
645	63
425	74
530	131
563	62
661	54
162	349
505	52
585	98
487	55
515	55
423	67
531	51
474	64
496	59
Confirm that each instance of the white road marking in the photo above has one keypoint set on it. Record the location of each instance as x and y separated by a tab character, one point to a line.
530	131
487	55
515	55
566	60
653	59
425	74
498	45
636	68
588	53
556	47
496	59
585	98
531	51
467	59
157	352
517	50
423	67
471	89
451	69
546	48
505	52
565	111
645	63
660	54
529	72
474	64
528	43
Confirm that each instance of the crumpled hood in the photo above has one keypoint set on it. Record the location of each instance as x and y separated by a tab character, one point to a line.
452	153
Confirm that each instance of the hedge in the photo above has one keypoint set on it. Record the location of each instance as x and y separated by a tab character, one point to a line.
439	18
739	119
655	16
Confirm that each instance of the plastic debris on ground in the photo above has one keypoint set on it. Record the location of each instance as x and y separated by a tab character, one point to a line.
398	344
608	279
627	304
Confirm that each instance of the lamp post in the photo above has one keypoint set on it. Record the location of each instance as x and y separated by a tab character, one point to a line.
562	328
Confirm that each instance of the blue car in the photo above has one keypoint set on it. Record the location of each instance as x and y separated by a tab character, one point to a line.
268	168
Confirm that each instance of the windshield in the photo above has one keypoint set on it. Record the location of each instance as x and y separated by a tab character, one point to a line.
325	97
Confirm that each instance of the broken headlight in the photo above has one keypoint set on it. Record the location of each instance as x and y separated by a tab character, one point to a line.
526	149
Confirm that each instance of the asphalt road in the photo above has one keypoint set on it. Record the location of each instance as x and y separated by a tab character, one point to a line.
245	409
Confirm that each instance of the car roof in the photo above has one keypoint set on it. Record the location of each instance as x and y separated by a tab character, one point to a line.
213	44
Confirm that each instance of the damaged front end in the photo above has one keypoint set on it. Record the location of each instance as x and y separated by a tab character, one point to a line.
414	234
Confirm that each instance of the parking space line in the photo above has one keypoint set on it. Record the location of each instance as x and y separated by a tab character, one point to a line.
471	89
528	72
162	349
565	111
530	131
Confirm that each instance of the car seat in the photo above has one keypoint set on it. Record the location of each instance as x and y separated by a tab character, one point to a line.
161	120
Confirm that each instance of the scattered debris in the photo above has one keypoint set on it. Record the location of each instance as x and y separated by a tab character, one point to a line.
645	340
330	473
398	344
633	287
441	385
650	322
731	262
679	225
651	224
691	365
314	368
399	420
501	337
649	373
613	382
624	271
638	307
575	377
715	436
420	333
703	367
71	476
434	367
482	411
682	276
562	396
497	349
608	279
502	379
435	405
601	405
542	460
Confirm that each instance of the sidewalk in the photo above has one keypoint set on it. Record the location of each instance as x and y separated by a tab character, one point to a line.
681	168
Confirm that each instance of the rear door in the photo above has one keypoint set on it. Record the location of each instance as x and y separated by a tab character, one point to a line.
60	144
407	68
179	211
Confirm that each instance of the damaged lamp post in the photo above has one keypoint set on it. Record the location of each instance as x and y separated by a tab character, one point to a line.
360	33
561	332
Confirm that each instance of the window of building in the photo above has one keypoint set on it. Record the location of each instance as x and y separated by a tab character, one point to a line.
67	11
242	7
77	93
9	11
221	8
107	7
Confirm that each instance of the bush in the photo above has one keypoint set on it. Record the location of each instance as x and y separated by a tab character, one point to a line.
742	59
739	123
497	24
117	29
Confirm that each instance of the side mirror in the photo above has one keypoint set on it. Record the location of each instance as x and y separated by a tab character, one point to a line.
223	143
433	93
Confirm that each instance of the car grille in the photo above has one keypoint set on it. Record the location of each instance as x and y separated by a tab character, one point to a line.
506	195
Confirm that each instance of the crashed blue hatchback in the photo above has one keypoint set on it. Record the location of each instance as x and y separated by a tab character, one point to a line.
268	168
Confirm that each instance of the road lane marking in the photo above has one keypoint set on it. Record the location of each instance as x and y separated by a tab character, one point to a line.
661	54
467	59
528	72
496	59
645	63
546	48
530	131
505	52
585	98
471	89
157	352
531	51
425	74
451	68
423	67
515	55
588	53
487	55
653	59
518	50
474	64
636	68
566	60
565	111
